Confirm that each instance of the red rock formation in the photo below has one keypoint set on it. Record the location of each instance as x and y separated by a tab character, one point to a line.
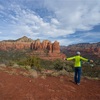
49	47
44	49
92	49
46	45
47	50
56	47
37	45
14	45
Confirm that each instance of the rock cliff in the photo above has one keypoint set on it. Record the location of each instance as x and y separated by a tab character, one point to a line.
43	49
14	45
19	44
46	49
46	45
87	48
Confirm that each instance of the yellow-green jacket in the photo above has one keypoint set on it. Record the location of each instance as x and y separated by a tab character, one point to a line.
78	60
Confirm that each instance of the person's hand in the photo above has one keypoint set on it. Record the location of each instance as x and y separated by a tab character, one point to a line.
91	61
64	58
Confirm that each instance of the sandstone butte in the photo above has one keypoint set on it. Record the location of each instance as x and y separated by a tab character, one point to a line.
44	49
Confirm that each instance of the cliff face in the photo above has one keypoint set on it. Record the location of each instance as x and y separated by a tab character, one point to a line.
43	48
14	45
45	45
93	49
46	49
19	44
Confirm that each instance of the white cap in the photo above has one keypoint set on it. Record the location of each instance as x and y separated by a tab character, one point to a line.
78	53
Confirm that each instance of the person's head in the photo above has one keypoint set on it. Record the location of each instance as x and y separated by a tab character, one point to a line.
78	53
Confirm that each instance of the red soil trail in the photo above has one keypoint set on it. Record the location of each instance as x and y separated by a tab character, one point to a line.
19	87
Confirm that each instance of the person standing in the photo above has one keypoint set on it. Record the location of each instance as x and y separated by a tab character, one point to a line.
77	66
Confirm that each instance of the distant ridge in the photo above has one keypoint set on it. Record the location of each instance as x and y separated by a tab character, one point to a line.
87	49
22	39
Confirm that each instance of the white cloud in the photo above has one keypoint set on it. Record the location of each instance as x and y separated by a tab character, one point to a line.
67	41
70	16
76	14
54	21
27	22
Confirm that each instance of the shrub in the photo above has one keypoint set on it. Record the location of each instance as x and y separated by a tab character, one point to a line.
69	66
10	63
58	64
47	64
34	62
91	71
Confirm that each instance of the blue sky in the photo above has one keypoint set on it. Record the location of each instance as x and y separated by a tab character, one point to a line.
67	21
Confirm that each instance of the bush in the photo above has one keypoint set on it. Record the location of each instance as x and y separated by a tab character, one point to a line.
34	62
58	64
69	66
47	64
18	58
10	63
91	71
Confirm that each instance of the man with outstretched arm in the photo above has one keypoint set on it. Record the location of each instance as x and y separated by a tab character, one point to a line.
77	65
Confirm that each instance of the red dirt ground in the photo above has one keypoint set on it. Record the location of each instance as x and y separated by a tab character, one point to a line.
19	87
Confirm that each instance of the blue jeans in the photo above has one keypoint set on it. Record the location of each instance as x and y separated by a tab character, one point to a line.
77	75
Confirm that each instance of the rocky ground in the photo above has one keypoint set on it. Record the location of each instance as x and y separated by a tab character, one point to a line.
19	84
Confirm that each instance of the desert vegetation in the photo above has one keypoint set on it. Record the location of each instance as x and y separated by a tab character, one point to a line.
20	59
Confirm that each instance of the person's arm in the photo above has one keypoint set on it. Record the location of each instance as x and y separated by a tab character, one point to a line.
82	58
86	59
70	58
